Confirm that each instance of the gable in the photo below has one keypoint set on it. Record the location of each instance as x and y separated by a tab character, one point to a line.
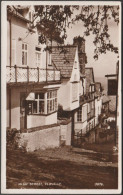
63	58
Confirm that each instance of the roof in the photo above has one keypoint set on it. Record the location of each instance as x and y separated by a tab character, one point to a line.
63	58
14	12
105	99
89	78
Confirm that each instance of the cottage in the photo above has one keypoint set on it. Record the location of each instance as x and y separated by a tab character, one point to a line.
70	60
105	104
31	87
98	102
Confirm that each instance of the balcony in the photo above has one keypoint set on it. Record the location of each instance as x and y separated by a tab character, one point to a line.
85	98
26	74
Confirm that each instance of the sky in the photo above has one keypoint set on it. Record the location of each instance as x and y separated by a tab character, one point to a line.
106	63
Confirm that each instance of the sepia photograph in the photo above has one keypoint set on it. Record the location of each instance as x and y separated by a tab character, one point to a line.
61	97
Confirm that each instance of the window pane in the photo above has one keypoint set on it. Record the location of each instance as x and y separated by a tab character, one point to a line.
25	46
48	106
55	92
23	58
52	101
36	95
22	46
41	95
55	103
34	107
41	106
48	95
51	94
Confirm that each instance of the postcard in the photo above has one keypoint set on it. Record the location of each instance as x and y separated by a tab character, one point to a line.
61	97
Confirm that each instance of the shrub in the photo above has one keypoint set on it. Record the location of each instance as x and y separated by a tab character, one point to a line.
12	137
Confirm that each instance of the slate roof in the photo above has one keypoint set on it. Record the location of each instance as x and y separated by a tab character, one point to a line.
89	78
63	58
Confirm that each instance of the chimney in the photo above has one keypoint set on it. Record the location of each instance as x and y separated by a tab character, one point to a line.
80	42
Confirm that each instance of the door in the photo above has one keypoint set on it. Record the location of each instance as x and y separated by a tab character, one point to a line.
23	116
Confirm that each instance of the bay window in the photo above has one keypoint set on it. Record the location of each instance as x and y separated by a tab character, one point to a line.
43	103
51	101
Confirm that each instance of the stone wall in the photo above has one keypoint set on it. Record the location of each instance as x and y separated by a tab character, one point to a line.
99	136
48	137
41	139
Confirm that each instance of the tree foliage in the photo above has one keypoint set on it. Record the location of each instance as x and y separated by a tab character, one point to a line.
54	20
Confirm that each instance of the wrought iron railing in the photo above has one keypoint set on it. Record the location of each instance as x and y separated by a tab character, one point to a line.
27	74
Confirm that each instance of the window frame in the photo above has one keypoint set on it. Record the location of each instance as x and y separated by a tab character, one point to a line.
25	51
37	64
79	114
52	103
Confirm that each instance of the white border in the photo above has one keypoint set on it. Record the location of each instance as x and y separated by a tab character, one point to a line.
3	104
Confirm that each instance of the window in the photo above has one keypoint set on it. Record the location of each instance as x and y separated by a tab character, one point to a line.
37	56
24	54
84	113
51	101
79	115
74	91
13	52
38	105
